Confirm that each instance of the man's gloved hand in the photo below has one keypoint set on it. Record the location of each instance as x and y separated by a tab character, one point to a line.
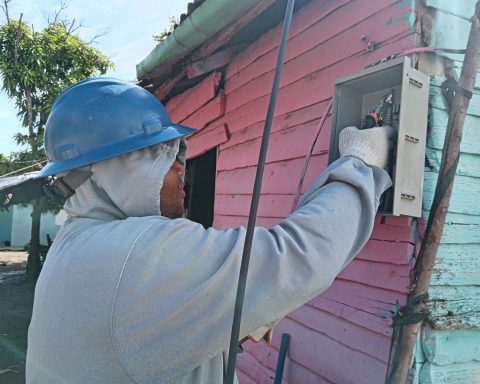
370	145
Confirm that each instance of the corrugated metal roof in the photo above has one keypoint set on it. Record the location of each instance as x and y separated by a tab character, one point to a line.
20	189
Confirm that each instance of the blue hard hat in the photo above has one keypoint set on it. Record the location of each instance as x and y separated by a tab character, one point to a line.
102	117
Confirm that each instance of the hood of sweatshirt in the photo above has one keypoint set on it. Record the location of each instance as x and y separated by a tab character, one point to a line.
127	185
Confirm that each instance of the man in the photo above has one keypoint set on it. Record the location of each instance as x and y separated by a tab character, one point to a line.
133	293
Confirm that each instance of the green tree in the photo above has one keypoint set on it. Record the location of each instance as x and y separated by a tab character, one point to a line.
35	67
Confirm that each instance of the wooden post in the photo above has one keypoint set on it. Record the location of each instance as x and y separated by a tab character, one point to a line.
33	261
433	233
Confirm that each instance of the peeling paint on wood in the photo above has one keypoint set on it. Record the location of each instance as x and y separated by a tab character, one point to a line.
444	347
465	196
468	165
438	101
455	307
211	111
453	373
457	264
209	138
347	333
186	103
471	133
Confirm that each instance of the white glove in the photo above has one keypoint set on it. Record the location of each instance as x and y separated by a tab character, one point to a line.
370	145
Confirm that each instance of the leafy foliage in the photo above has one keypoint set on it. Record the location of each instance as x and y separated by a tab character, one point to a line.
37	66
172	24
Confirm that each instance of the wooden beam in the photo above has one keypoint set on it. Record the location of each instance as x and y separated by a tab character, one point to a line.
208	113
217	60
209	138
231	30
191	100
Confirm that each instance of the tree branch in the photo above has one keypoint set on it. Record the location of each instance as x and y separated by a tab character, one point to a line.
5	9
17	38
57	13
94	38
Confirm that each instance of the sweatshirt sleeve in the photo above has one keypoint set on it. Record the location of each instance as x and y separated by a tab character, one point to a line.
174	305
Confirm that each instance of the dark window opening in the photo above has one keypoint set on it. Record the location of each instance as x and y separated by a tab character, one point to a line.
200	188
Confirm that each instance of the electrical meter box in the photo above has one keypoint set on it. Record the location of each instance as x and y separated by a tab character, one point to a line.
397	94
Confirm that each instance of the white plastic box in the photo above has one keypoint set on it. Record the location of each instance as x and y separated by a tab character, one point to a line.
358	94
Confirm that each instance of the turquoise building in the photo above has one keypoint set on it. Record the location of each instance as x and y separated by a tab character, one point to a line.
448	350
15	225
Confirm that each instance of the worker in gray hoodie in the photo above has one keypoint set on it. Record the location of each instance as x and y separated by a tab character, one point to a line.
131	292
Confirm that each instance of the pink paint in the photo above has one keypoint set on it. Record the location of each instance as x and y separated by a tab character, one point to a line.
343	335
211	111
186	103
309	52
287	144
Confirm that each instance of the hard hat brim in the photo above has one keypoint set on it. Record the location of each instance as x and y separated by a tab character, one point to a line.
173	131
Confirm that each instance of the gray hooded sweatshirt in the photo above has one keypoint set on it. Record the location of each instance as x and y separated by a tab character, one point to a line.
129	296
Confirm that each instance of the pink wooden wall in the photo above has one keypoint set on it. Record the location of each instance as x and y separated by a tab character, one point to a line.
344	335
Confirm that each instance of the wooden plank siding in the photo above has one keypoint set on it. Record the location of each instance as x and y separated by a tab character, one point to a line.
342	336
450	344
351	327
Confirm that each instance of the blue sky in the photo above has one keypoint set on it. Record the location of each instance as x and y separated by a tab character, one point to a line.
130	25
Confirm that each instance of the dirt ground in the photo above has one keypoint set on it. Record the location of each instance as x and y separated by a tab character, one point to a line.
16	299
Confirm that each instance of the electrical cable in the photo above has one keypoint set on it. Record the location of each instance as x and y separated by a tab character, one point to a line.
233	349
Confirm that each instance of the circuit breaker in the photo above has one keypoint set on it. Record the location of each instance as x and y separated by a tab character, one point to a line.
398	94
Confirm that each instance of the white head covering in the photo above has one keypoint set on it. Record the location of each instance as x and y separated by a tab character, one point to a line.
127	185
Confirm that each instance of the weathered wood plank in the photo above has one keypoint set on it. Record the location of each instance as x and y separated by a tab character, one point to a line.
217	60
310	14
190	101
399	253
444	347
457	264
314	88
468	165
464	9
465	195
242	377
437	100
470	137
294	372
307	347
211	111
231	30
260	75
295	119
460	233
393	233
260	374
310	39
458	218
381	275
453	373
208	138
355	315
269	205
455	307
358	338
279	177
283	145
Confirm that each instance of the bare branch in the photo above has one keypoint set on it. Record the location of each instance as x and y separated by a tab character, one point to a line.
57	13
5	9
97	36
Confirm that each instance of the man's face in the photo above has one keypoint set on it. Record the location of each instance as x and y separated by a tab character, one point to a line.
172	193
